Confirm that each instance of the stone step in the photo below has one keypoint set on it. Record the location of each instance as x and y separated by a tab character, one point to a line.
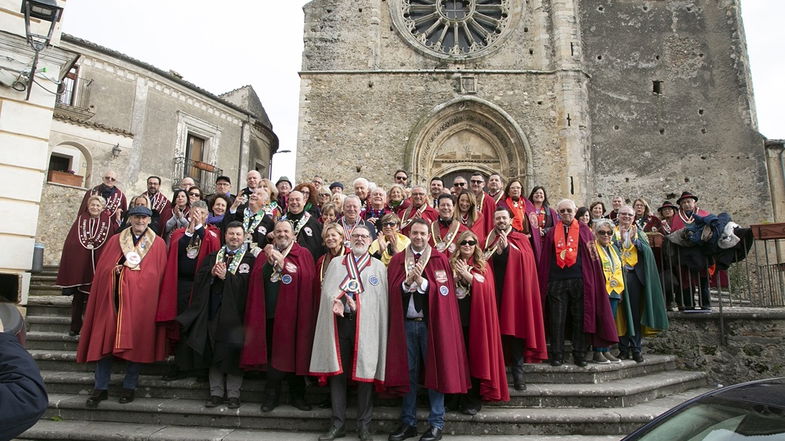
491	421
64	360
101	431
57	341
57	305
622	393
45	290
43	279
49	323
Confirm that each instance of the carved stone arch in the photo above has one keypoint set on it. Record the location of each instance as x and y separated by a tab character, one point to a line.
468	133
87	158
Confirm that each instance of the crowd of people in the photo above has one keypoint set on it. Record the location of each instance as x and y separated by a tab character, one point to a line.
392	287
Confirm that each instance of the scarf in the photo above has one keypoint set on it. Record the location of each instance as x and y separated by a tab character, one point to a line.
425	256
297	225
566	248
134	254
446	242
611	266
276	275
629	254
93	231
352	285
237	257
406	220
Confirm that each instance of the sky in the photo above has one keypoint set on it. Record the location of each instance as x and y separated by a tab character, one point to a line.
260	43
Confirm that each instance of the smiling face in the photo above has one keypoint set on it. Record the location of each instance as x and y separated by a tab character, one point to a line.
378	198
477	183
459	183
361	190
296	202
333	240
219	207
418	196
234	237
419	236
596	211
182	199
446	208
501	220
194	195
626	216
153	185
617	202
495	184
139	224
361	240
253	179
585	218
566	210
515	190
538	196
437	188
604	234
464	204
351	209
95	207
396	195
109	179
467	246
283	235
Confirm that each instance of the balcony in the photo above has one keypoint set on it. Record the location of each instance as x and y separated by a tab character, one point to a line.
203	173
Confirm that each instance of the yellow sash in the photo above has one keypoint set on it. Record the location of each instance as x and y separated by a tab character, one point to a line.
611	266
629	255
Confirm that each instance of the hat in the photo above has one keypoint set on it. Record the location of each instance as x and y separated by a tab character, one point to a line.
686	195
223	178
667	204
140	210
283	179
336	184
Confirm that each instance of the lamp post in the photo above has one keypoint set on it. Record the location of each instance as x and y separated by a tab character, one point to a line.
44	10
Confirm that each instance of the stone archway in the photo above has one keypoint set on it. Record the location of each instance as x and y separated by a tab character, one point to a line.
468	133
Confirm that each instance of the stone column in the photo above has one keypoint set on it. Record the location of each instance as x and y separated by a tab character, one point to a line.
775	163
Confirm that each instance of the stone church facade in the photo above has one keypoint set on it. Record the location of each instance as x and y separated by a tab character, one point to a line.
590	98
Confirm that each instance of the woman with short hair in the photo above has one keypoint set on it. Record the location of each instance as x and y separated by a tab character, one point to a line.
309	196
332	235
389	241
645	220
218	205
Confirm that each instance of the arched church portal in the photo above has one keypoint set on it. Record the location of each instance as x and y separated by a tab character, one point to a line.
465	135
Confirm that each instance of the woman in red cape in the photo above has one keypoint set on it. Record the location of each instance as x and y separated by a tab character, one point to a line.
476	294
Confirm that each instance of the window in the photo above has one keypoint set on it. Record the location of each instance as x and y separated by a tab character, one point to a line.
67	89
194	154
59	162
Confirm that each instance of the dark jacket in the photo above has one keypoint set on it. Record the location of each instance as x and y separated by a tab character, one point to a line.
23	397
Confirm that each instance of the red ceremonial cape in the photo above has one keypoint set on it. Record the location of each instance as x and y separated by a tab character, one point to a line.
163	206
677	223
520	312
133	335
446	366
480	229
487	211
77	262
429	214
115	201
486	356
295	316
597	316
443	232
167	301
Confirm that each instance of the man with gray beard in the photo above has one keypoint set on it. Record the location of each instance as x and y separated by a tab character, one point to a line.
351	332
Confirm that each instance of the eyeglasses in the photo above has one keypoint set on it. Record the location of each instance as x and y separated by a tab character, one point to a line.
605	233
109	178
468	242
626	214
418	194
477	181
459	184
360	236
390	224
195	194
565	210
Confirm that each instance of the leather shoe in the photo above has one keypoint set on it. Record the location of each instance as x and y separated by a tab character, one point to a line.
126	396
301	404
96	397
214	401
233	403
174	374
637	357
334	432
270	402
364	434
580	362
517	381
556	362
432	434
402	432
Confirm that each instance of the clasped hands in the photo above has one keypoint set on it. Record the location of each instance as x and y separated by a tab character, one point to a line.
219	270
338	308
415	275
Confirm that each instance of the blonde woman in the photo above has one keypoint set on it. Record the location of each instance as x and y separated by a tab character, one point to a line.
389	241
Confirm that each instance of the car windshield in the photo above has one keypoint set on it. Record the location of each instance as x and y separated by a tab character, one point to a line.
721	420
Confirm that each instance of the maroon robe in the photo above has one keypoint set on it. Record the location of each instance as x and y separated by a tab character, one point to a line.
479	229
443	232
536	236
167	301
677	223
84	244
429	214
295	316
486	356
520	310
127	330
446	366
163	206
598	320
486	208
113	202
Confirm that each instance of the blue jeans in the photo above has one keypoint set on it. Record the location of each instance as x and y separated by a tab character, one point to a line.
103	372
417	346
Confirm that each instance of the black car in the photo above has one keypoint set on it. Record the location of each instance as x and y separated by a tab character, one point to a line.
753	411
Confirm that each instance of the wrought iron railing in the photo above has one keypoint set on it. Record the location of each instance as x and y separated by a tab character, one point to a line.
203	173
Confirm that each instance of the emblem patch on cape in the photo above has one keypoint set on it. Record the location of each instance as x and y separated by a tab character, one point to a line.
443	290
244	268
479	278
373	280
441	276
262	230
290	267
452	248
308	231
133	258
286	279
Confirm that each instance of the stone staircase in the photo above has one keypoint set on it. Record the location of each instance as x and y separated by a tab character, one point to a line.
599	402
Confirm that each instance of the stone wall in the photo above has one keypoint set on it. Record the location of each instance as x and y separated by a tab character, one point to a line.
755	344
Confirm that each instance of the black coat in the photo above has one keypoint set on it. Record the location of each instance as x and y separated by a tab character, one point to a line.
23	397
213	323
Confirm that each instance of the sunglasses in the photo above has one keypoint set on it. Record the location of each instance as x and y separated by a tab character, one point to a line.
389	224
605	233
468	242
459	184
565	210
400	178
109	178
477	181
195	194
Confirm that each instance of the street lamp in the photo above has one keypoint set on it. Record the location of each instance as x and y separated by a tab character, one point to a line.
270	174
44	10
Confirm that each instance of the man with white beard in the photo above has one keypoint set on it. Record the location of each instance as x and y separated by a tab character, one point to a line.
351	332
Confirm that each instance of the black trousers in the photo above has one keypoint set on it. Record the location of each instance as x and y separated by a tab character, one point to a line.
78	306
565	306
633	289
338	383
275	377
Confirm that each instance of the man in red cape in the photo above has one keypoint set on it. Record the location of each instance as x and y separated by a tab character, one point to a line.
571	275
189	247
280	316
425	327
115	199
486	205
517	295
446	228
688	207
417	209
158	202
129	273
